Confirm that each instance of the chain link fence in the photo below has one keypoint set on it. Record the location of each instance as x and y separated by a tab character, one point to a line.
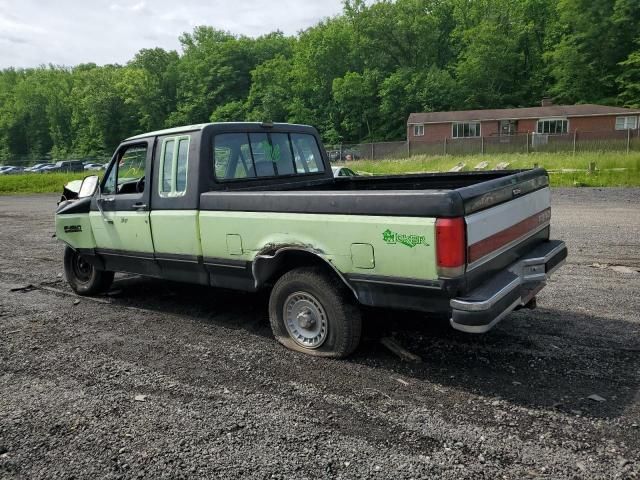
616	141
367	151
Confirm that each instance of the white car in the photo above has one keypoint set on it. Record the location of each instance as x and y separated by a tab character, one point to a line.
10	170
93	166
37	167
343	172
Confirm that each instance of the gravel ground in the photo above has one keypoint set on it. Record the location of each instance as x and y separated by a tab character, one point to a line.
162	380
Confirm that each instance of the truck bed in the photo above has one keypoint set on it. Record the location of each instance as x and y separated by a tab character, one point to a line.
423	195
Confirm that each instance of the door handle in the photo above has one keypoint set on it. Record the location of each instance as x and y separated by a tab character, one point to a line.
139	206
107	199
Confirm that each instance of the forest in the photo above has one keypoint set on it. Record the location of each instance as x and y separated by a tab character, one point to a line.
355	76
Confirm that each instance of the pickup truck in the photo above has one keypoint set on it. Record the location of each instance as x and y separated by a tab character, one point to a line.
252	206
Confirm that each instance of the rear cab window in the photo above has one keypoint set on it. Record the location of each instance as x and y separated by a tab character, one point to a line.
265	155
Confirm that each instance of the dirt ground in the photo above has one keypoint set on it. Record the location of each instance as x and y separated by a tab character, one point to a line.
163	380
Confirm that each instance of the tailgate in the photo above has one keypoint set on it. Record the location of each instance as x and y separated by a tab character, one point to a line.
505	213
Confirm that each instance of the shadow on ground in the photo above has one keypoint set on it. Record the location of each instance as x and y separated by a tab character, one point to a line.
543	358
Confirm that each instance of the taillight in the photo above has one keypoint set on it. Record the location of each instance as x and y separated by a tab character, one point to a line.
450	246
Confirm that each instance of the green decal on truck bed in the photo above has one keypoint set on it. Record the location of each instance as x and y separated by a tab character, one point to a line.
409	240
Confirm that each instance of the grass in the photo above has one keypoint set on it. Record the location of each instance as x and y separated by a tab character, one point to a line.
561	166
37	182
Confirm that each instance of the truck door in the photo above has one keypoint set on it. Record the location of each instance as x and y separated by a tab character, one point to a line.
120	214
175	194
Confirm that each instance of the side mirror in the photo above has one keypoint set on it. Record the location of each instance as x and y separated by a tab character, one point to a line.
89	186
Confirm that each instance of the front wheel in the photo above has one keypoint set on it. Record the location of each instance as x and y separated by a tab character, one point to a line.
84	278
312	312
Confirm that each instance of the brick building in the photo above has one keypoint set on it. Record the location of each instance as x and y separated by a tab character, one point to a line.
545	120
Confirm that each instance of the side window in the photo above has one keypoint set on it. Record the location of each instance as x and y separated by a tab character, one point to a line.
167	165
126	171
242	155
109	186
174	166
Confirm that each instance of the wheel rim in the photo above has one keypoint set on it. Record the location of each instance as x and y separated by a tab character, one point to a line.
305	320
81	268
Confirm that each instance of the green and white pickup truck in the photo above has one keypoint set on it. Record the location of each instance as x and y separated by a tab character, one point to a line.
253	206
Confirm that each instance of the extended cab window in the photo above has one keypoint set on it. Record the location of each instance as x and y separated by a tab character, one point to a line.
174	160
251	155
127	171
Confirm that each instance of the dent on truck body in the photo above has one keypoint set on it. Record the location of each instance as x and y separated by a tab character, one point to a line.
271	258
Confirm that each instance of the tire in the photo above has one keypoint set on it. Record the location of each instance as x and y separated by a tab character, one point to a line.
313	312
84	278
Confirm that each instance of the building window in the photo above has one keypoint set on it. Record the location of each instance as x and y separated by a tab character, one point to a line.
418	130
466	129
508	127
553	125
626	123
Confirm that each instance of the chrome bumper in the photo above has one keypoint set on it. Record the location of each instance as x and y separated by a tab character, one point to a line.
514	286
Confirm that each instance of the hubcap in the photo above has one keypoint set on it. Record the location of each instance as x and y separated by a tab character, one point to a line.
81	268
305	320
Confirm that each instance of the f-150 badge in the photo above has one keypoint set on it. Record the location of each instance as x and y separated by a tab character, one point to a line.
72	228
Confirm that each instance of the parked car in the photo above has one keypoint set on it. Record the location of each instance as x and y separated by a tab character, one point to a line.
343	172
65	166
93	167
37	167
10	170
472	245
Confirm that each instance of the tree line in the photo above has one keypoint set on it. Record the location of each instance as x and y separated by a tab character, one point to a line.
356	76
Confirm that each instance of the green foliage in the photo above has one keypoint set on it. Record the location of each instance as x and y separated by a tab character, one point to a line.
629	79
356	76
593	37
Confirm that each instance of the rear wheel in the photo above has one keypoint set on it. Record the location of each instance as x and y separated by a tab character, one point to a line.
84	278
311	311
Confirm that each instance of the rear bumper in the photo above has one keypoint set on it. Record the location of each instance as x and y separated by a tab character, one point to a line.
516	285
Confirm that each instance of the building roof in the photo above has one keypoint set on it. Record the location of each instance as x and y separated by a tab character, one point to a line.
585	110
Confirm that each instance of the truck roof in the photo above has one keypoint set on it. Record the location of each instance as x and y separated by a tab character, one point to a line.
201	126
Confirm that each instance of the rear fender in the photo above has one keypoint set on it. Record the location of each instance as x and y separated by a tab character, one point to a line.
273	260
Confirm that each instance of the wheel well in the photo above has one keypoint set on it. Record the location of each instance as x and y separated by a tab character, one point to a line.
268	268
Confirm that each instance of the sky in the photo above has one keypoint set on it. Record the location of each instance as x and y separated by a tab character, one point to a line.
69	32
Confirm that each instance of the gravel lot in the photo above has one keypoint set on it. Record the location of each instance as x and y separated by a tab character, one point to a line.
162	380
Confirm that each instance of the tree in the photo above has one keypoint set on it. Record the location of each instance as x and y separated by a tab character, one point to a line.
355	95
161	73
593	38
271	90
629	80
